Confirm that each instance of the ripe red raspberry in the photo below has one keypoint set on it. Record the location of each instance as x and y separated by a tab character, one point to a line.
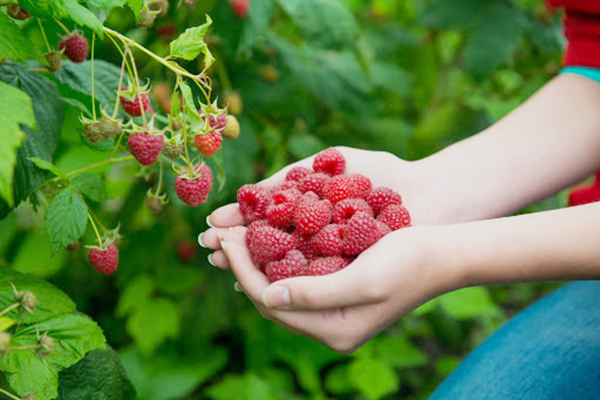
303	245
104	261
218	122
270	244
328	241
253	201
312	216
383	228
362	185
382	197
280	212
253	227
146	147
132	105
285	186
296	174
209	143
395	216
330	162
584	195
327	265
293	264
361	233
313	183
339	188
240	8
75	47
194	191
186	251
345	209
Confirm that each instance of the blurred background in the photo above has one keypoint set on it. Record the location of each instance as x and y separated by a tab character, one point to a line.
408	77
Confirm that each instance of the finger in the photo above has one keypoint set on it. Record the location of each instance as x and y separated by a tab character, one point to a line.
348	287
226	216
218	259
248	275
210	238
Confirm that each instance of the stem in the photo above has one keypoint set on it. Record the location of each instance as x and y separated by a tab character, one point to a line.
44	34
121	135
137	83
160	177
97	220
10	308
99	164
96	230
12	396
92	66
185	147
62	26
123	54
115	112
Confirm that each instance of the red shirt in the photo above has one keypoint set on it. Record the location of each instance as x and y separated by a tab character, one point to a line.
582	29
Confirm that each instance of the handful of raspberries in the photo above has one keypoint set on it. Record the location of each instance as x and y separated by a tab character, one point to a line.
319	220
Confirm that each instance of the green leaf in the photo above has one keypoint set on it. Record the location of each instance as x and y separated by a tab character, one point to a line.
63	9
242	387
323	22
90	185
66	218
16	109
14	44
27	372
34	256
190	44
135	295
399	352
391	77
153	322
192	115
106	3
493	40
468	303
41	143
46	166
100	375
78	77
443	14
136	7
373	378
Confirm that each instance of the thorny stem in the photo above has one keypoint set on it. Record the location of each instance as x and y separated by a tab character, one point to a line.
160	177
10	308
123	54
44	34
96	230
116	110
185	146
12	396
97	220
137	83
92	67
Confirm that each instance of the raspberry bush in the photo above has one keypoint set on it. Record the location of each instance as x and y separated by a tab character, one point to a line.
126	122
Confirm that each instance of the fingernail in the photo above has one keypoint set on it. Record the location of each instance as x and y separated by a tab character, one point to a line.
224	247
210	260
237	287
200	241
276	296
220	235
208	221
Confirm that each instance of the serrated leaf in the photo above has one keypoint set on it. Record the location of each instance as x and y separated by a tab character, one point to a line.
78	77
153	322
34	256
190	44
136	7
192	115
17	109
100	375
27	372
66	218
46	166
14	44
51	300
373	378
63	9
91	186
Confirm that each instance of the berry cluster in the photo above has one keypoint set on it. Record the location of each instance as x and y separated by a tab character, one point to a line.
318	221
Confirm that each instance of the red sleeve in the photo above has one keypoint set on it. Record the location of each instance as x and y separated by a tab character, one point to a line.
582	30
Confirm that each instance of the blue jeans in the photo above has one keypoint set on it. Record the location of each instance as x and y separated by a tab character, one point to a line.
550	351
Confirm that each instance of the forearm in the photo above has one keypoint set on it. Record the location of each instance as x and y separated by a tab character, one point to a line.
552	245
549	143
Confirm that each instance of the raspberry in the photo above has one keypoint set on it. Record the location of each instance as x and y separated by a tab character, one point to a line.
362	184
172	149
253	227
208	143
194	191
361	233
339	188
584	195
345	209
395	216
131	105
327	265
383	228
104	261
253	201
232	128
54	60
304	246
328	241
313	183
286	186
382	197
330	162
75	47
270	244
240	8
280	212
296	174
293	264
186	251
218	122
312	216
146	147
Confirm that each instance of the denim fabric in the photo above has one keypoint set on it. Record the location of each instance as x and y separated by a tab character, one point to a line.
591	73
550	351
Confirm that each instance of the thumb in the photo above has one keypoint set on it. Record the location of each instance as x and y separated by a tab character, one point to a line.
344	288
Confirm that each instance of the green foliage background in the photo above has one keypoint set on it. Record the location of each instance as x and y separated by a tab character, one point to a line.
408	77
